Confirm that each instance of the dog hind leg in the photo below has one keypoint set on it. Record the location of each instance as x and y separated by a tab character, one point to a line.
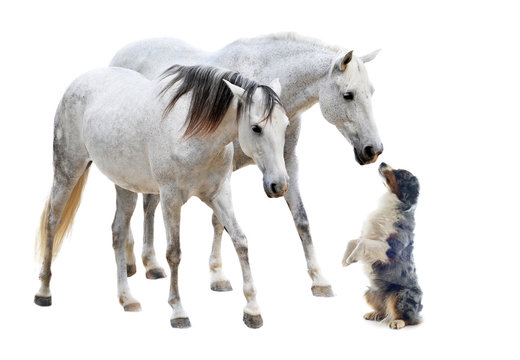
377	301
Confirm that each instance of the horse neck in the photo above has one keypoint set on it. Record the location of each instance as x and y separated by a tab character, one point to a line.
226	132
302	81
299	64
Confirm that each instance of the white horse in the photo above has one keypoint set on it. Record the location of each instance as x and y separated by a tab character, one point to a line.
172	136
309	72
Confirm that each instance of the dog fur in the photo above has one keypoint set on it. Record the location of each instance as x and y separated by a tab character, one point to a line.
385	247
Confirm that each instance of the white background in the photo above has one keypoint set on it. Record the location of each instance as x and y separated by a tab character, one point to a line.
446	105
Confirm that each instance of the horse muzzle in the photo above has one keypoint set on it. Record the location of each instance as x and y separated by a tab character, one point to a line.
275	189
368	154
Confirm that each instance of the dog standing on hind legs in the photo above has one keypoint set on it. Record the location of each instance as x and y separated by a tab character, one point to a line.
385	247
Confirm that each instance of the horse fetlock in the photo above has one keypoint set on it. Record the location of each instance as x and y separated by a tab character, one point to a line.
149	260
320	286
215	265
129	303
252	308
178	311
45	276
131	269
219	282
249	288
153	269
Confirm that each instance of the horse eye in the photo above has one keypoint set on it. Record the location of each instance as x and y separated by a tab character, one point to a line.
257	129
348	96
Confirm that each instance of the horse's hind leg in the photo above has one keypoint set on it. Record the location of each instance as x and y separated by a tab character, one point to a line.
126	201
69	179
218	281
153	269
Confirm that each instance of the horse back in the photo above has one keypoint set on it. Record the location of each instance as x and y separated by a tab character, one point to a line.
151	57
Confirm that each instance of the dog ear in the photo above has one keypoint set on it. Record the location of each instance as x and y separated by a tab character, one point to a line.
408	188
409	195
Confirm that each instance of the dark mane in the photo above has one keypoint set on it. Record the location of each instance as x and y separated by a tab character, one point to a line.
211	97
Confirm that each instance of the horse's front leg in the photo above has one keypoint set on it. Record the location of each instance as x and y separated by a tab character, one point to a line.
223	209
218	281
126	201
153	269
320	285
171	202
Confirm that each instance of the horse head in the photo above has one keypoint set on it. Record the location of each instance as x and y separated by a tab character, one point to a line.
345	98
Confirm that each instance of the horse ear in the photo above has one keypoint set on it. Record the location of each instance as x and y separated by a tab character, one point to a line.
346	59
236	90
276	86
369	57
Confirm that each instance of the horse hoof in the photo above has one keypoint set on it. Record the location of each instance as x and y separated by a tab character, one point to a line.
180	323
253	321
135	307
130	270
155	274
43	300
222	285
322	291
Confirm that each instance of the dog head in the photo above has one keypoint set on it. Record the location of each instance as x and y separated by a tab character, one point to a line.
402	183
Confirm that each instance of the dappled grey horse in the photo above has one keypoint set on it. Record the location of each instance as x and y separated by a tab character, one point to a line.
310	72
173	137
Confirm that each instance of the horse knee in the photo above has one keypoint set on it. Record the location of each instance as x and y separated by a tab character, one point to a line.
240	243
173	256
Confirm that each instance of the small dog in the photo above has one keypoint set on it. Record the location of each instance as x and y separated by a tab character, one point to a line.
385	247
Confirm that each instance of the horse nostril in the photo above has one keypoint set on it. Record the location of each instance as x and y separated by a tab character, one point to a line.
273	188
369	152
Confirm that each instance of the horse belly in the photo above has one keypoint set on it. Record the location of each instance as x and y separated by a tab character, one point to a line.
120	153
128	177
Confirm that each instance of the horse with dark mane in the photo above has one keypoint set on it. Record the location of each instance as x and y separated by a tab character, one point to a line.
172	136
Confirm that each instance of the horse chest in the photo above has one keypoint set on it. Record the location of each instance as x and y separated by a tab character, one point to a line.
194	173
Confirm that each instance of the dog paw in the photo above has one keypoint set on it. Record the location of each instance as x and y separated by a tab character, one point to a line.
374	316
397	324
350	260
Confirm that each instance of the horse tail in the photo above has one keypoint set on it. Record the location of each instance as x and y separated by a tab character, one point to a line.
67	217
